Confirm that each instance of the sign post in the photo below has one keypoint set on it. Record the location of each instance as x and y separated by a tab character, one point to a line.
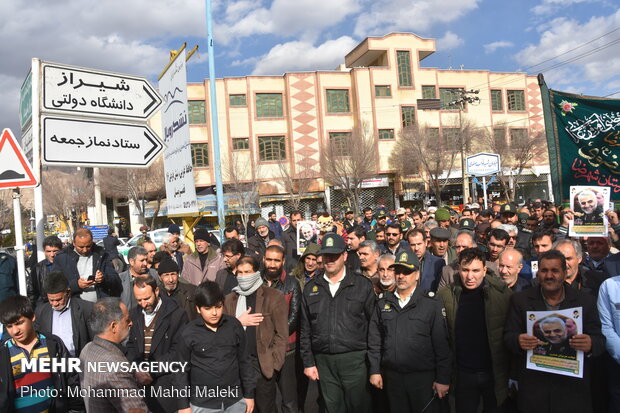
484	164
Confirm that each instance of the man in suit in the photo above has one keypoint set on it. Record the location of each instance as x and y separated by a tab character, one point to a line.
156	323
63	315
263	312
431	265
110	323
173	287
137	268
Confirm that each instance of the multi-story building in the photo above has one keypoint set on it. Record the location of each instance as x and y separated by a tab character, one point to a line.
271	123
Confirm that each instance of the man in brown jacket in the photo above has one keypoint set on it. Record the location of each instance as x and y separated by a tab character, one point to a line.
263	312
204	263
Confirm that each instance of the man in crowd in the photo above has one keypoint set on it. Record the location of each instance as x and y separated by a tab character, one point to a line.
174	243
231	250
88	268
181	292
24	390
258	243
581	278
598	249
264	313
156	323
509	265
51	246
368	222
204	263
464	240
542	241
274	225
137	268
541	391
64	316
307	267
349	221
410	367
289	241
275	276
440	244
333	349
369	253
394	239
498	240
387	281
476	308
110	244
430	265
151	250
354	240
443	218
110	323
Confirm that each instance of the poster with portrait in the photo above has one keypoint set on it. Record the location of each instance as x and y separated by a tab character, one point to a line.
589	203
553	330
307	232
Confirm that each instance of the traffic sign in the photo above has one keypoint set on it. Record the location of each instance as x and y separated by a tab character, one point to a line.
15	172
483	163
76	90
75	142
98	231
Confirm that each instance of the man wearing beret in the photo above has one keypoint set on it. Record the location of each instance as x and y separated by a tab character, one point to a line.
335	312
408	346
204	263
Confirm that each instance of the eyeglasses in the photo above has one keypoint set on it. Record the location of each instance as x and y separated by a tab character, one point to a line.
392	234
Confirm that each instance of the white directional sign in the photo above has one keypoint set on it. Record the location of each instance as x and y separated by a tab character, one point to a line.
75	90
483	163
98	143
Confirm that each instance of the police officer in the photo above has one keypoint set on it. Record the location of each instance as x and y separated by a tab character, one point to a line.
408	346
335	312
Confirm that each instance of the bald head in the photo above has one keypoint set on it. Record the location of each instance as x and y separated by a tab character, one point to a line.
510	263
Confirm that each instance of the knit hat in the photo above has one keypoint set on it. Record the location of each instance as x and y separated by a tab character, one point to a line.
261	222
202	234
174	229
167	265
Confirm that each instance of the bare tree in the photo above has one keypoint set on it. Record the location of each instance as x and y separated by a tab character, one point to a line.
242	185
347	160
297	184
516	155
137	184
67	195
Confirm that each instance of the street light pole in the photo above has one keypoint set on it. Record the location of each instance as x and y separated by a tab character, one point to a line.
465	96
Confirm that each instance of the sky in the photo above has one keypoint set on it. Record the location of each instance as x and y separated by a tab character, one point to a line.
574	43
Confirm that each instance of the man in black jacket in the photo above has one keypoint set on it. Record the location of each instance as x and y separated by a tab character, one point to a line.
51	246
180	291
408	346
88	268
289	241
276	277
335	312
156	323
17	381
63	315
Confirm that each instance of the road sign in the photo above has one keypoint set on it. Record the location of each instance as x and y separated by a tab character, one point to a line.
75	142
76	90
15	172
98	231
483	163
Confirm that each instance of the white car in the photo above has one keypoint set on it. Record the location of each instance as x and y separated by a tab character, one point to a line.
158	236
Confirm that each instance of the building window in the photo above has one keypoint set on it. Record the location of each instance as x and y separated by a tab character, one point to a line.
240	144
340	142
518	136
516	100
404	68
337	101
386	134
271	148
449	95
196	110
384	91
269	105
237	100
428	92
496	100
451	139
200	155
499	136
407	115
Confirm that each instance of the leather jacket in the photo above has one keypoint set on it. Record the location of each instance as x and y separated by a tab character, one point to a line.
292	294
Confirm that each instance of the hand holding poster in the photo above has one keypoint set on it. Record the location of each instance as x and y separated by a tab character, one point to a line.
588	204
554	329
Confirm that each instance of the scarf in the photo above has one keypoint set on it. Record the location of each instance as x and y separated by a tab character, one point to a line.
248	284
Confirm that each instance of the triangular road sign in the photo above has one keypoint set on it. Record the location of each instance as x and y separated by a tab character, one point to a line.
15	172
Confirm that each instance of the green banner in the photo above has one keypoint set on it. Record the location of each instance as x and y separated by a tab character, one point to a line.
584	148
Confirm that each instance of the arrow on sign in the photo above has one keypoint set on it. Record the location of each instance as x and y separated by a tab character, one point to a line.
68	89
78	142
15	171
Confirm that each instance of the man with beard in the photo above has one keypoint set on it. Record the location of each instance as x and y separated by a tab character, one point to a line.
498	240
276	277
181	292
579	277
289	241
394	239
369	253
354	240
156	323
231	250
151	250
307	267
258	243
137	268
387	282
263	312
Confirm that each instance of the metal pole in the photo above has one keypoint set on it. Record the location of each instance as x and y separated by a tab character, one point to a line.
217	162
98	209
19	242
36	158
484	189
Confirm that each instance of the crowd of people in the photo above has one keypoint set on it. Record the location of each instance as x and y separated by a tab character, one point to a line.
410	311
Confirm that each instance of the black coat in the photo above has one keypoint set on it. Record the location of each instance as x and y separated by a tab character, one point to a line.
38	274
547	392
66	261
170	322
80	312
289	240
